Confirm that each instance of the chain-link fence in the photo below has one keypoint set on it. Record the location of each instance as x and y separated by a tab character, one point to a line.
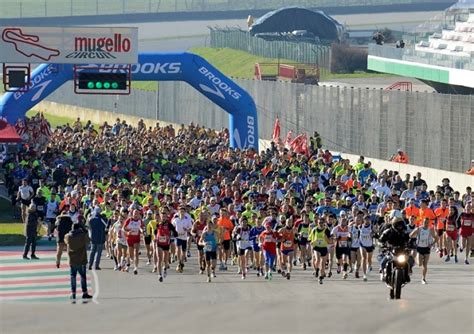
435	130
301	52
51	8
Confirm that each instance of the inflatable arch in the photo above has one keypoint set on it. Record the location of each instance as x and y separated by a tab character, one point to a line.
193	69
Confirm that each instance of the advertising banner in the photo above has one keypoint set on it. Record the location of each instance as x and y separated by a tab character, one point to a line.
69	45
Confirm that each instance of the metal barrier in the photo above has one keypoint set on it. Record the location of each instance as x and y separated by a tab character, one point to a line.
300	52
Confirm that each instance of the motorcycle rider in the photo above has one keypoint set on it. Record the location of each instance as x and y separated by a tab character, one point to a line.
397	237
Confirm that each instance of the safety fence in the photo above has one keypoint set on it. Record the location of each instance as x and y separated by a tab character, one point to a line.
301	52
54	8
435	130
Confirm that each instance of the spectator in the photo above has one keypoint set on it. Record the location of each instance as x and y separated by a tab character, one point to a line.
400	157
31	232
97	226
77	241
470	171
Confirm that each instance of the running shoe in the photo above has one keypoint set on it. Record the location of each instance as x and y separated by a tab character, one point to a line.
320	280
165	273
266	276
34	257
201	272
357	274
189	254
344	276
148	263
135	271
455	259
160	279
423	281
288	276
447	259
116	268
370	268
330	274
466	261
86	296
214	274
154	269
243	276
270	276
365	278
208	279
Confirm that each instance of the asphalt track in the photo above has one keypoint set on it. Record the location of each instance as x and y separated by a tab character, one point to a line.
186	303
174	36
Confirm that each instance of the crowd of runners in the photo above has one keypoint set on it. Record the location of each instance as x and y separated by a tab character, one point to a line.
177	191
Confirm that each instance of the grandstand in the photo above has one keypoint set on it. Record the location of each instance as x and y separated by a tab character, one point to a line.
444	60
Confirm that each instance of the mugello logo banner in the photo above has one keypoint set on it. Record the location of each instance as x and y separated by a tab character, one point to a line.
69	45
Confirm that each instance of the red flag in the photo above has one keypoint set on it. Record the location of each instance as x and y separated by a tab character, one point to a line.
276	131
296	144
288	140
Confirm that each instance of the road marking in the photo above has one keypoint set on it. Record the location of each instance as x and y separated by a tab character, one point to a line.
37	280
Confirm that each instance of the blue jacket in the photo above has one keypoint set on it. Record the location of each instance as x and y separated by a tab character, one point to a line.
97	227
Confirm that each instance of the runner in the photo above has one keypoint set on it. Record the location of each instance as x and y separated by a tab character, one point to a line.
183	224
241	233
120	241
341	234
425	239
151	231
303	234
467	227
225	225
354	229
148	237
366	245
52	211
268	240
257	251
64	226
441	215
133	228
330	221
210	239
319	238
196	232
451	234
163	233
287	240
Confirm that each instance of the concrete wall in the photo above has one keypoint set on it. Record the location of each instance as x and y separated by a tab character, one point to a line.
432	176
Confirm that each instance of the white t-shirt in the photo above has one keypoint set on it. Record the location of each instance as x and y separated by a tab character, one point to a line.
25	192
183	226
51	209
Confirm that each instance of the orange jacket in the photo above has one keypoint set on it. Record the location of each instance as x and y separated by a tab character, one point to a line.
401	158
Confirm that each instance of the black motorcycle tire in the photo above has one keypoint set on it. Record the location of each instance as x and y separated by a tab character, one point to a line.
397	283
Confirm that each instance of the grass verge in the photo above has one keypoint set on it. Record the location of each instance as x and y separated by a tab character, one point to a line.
11	234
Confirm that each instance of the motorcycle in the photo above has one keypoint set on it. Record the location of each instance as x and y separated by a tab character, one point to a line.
396	270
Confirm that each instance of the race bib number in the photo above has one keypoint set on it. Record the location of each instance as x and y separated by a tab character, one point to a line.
268	238
450	228
162	239
208	247
319	242
342	243
288	244
39	208
305	235
467	223
366	237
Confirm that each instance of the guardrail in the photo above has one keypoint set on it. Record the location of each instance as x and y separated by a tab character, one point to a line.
56	8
